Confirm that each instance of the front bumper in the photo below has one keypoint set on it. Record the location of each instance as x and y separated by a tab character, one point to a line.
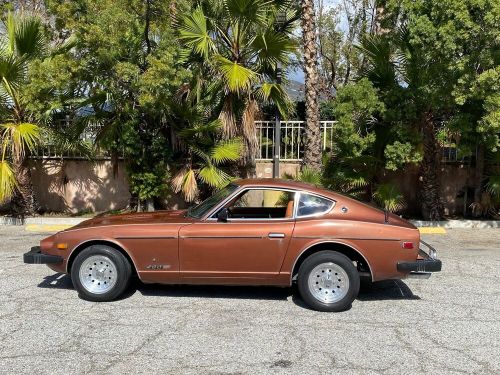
35	256
422	267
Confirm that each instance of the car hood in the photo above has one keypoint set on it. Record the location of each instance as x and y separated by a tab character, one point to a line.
157	217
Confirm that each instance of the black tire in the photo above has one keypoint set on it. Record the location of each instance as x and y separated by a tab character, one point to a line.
122	274
327	256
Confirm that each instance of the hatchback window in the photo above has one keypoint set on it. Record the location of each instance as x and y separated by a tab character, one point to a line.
313	205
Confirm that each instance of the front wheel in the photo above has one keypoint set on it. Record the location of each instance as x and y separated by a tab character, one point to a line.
100	273
328	281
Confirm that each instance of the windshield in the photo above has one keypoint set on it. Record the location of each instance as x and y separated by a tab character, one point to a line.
204	207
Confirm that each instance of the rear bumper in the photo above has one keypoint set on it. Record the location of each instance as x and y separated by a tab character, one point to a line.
428	262
35	256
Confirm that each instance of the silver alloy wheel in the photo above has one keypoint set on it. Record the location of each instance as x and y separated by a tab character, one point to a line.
328	282
98	274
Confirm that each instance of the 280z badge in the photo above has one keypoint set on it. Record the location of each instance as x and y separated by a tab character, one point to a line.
157	266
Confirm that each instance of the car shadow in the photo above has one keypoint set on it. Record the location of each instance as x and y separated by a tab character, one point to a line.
215	291
369	291
385	290
56	281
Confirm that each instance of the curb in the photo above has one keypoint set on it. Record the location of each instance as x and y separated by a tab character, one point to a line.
458	224
68	221
431	230
46	227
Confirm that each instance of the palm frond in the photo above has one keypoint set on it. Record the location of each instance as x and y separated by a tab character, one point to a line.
380	68
245	10
493	186
226	151
65	46
68	141
274	93
185	182
29	39
8	182
21	137
195	33
236	76
310	176
272	47
200	130
12	73
213	176
389	197
10	34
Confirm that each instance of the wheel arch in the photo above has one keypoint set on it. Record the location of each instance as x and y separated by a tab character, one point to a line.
83	245
348	250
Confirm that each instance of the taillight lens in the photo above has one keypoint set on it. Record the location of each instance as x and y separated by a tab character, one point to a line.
407	245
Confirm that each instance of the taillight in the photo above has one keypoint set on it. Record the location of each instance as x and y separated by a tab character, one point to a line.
407	245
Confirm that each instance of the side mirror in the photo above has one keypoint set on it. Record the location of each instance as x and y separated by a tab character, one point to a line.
222	215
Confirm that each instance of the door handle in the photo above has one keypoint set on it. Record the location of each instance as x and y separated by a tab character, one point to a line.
276	235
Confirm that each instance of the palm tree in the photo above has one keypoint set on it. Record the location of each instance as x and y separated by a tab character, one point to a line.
403	75
352	176
21	41
203	160
312	149
389	197
234	48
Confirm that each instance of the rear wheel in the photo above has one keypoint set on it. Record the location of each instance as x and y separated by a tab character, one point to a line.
100	273
328	281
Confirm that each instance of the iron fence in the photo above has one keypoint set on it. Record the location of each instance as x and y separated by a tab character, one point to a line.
292	139
53	146
291	147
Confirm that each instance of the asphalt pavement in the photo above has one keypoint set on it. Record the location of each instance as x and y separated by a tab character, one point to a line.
447	324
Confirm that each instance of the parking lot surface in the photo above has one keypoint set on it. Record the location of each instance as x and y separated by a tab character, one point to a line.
449	323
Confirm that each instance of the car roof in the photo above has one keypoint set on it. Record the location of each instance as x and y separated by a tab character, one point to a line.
286	184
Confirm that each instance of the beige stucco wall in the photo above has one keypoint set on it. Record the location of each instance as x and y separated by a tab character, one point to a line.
77	185
453	178
265	170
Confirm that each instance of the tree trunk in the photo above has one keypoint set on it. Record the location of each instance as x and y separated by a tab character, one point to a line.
23	201
432	206
379	17
312	148
249	133
479	174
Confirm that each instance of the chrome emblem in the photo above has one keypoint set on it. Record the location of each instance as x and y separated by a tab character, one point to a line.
157	266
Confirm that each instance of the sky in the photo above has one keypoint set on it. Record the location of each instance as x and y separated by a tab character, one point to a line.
298	74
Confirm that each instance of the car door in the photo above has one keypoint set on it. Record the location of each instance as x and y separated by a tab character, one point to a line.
250	245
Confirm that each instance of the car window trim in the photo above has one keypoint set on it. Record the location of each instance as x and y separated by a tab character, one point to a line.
296	216
220	205
295	208
245	189
238	187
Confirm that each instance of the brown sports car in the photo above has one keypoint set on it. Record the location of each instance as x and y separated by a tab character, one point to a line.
252	232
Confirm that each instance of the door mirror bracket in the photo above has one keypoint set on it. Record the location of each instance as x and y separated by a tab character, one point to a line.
222	215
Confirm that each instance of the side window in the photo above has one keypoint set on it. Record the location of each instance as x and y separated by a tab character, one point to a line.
313	205
263	204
